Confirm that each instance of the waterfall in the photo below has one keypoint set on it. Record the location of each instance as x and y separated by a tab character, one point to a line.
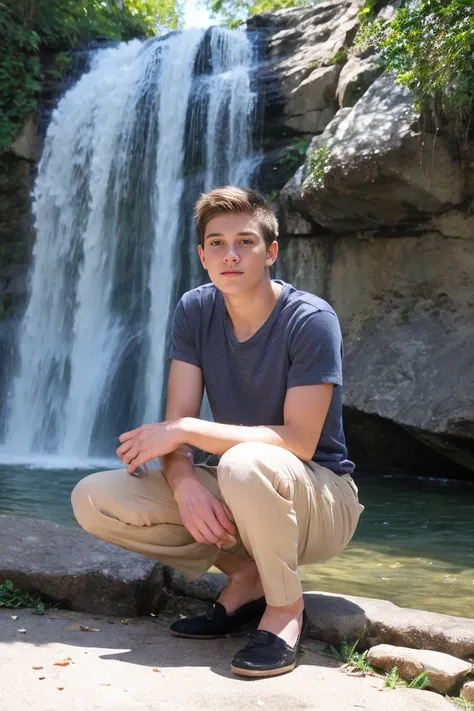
128	151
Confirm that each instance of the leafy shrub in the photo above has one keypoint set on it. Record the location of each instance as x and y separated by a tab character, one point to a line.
430	47
28	25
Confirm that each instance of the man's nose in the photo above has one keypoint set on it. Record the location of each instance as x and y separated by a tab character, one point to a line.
231	255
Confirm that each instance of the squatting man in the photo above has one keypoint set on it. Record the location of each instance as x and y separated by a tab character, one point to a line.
276	490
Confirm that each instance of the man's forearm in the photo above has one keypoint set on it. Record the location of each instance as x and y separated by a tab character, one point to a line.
178	466
216	438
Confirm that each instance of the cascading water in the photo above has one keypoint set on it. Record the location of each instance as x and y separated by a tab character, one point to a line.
127	153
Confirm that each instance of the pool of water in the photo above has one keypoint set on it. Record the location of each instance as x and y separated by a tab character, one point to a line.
414	545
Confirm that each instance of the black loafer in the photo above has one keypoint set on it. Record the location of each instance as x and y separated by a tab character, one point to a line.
217	623
268	655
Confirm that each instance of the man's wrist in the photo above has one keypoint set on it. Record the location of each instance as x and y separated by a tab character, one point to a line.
181	429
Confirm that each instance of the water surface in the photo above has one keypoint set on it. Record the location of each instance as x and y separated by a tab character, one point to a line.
414	545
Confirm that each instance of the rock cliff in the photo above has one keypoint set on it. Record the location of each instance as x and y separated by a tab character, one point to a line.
378	220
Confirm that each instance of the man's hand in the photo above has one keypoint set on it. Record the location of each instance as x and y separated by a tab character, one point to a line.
206	518
147	442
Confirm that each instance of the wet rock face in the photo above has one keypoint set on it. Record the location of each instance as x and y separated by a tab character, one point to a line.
378	220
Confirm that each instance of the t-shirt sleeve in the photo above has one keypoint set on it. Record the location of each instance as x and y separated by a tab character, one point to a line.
316	351
183	341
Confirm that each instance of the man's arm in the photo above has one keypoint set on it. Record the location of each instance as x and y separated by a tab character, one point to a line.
184	398
305	411
205	517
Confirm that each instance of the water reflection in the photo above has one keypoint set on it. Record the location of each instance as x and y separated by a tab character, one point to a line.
414	545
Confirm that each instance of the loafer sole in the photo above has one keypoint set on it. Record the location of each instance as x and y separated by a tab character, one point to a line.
262	672
242	633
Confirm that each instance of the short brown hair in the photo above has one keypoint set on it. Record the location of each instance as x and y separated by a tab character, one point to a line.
230	199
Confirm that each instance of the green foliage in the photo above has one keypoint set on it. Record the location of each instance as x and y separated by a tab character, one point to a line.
430	47
295	155
464	704
370	9
318	167
13	597
19	75
234	12
348	654
420	682
392	678
28	25
340	57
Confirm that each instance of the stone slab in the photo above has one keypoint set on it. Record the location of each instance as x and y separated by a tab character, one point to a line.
335	618
113	670
69	566
444	671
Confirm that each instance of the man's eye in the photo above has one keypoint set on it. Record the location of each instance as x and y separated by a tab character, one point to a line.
247	241
216	242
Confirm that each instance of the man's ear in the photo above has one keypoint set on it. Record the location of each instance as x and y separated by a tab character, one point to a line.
201	257
272	254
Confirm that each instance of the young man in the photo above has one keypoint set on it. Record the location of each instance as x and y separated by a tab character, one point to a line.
278	491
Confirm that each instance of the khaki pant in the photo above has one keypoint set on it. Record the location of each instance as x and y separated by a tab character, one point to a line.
287	513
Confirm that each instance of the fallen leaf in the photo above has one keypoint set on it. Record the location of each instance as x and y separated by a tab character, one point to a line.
15	617
156	669
60	688
22	631
37	668
41	678
84	628
63	662
111	622
152	614
124	622
106	684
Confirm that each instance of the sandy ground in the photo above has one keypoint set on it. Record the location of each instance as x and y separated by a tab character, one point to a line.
139	665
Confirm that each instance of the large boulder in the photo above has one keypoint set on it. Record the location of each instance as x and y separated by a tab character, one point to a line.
376	169
312	105
356	77
407	313
66	565
338	618
305	51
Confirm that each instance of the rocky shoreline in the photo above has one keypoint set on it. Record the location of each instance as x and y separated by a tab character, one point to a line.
70	568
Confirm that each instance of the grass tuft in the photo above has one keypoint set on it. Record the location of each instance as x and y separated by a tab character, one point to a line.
13	597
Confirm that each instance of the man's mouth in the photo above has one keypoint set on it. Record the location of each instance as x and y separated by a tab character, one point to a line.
231	272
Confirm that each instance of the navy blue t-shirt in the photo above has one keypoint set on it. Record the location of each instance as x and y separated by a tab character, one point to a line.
246	382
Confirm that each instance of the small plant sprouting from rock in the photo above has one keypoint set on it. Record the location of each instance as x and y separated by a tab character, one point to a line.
420	682
464	704
318	167
392	678
340	57
13	597
352	658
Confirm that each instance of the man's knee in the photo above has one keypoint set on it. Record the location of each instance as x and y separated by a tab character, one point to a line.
244	466
84	504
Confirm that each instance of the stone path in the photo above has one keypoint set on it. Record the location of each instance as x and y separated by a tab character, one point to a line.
114	668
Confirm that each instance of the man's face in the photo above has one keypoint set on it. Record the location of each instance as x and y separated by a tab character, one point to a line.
235	254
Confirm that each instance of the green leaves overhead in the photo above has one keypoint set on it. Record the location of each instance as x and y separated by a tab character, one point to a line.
60	25
430	46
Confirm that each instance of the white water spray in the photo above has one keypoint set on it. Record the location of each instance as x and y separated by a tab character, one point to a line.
108	203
